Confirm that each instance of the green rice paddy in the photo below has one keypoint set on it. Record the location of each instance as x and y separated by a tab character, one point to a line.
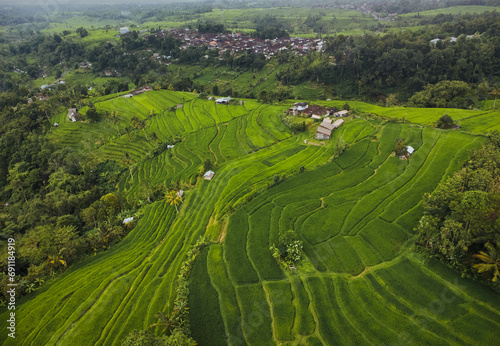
359	282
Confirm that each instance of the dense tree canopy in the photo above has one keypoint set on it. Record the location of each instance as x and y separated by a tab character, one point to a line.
461	215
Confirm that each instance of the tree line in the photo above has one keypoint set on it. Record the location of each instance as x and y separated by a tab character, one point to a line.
461	217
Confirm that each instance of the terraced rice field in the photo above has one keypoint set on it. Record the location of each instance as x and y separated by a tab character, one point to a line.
474	121
358	283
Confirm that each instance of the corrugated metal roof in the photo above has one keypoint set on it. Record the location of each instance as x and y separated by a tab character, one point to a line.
324	131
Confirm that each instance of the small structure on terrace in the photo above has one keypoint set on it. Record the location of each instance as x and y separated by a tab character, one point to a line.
73	115
325	128
223	100
209	175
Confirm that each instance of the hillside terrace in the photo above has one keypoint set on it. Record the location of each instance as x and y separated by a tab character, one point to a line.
238	42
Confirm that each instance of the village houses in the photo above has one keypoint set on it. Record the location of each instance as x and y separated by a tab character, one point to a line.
325	128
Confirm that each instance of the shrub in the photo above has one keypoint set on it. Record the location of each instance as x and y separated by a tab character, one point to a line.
445	122
289	250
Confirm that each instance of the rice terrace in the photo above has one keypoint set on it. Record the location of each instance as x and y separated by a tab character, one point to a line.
358	282
201	201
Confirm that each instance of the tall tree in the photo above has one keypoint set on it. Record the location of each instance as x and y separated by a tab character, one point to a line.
495	92
114	119
490	259
173	198
128	162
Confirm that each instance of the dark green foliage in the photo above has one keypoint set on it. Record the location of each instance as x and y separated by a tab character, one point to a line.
82	32
147	338
210	27
269	27
207	165
298	127
93	115
401	149
445	122
460	215
340	146
142	338
289	249
445	94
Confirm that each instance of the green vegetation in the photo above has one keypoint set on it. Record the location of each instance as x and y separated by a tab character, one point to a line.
459	218
293	240
363	209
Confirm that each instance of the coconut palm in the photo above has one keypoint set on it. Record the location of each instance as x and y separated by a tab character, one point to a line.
143	126
30	288
128	162
128	133
490	259
55	261
154	137
495	92
167	321
115	119
173	198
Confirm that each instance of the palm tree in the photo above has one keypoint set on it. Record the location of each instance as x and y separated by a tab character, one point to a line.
142	125
135	121
154	137
173	198
167	321
44	107
491	261
128	162
30	288
495	92
55	261
128	133
114	119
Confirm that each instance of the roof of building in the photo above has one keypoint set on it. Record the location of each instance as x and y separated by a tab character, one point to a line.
128	220
223	99
410	149
324	131
341	112
208	174
338	122
301	104
327	125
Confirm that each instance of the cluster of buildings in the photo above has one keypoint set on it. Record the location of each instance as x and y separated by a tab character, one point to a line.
73	115
53	85
452	39
138	92
325	129
315	111
238	42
